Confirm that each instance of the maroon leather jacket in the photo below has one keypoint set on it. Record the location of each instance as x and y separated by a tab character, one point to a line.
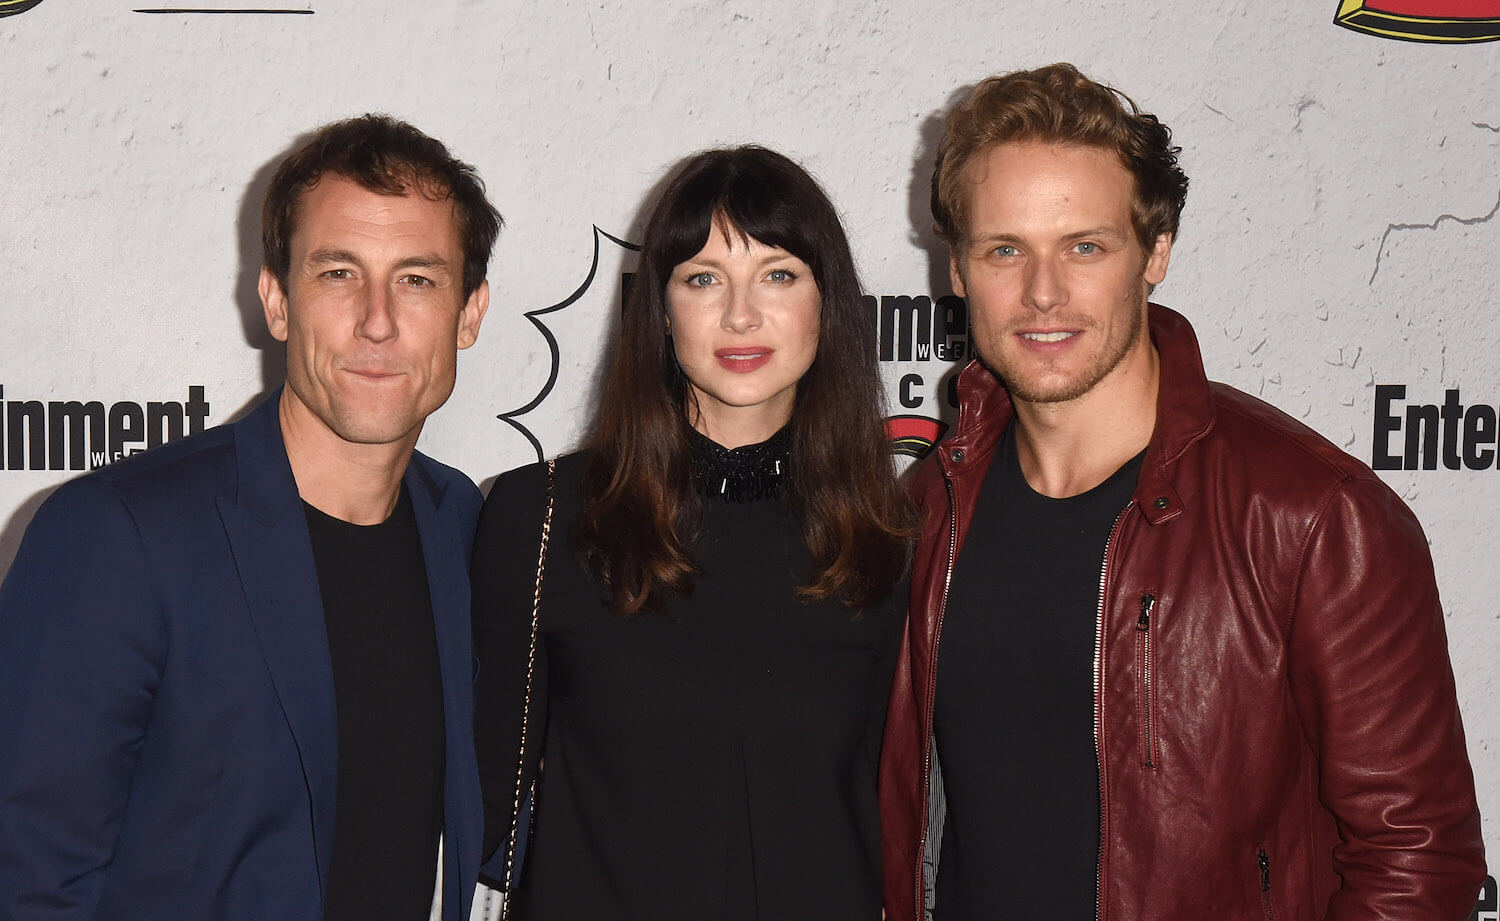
1275	718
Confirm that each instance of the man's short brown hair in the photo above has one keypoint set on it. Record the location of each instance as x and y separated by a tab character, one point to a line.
387	156
1057	104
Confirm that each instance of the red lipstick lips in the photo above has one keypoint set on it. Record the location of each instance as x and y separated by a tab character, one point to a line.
745	359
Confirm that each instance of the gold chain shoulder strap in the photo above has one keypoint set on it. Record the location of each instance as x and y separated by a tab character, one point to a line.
536	610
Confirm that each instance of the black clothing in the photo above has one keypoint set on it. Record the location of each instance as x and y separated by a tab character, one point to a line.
389	700
716	761
744	474
1014	710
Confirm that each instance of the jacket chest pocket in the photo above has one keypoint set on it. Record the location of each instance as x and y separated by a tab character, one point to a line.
1145	670
1263	864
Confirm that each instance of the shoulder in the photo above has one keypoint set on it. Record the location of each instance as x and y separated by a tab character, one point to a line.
1268	435
527	486
165	480
518	498
1292	466
110	526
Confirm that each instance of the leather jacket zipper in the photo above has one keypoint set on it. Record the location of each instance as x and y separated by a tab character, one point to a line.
1143	666
1265	884
1099	868
937	635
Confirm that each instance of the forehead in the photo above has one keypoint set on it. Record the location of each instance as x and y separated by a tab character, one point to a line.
1029	181
339	212
726	239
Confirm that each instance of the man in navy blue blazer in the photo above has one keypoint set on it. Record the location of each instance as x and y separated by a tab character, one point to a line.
235	671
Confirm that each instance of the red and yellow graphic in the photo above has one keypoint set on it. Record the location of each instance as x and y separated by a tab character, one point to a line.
1438	21
914	436
16	7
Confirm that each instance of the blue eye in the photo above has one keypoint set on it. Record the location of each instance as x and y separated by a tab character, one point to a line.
1006	251
782	275
1087	249
700	280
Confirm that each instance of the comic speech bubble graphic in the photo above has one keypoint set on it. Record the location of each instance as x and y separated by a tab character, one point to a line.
1433	21
576	330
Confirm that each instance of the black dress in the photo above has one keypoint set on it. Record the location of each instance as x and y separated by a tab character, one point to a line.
716	761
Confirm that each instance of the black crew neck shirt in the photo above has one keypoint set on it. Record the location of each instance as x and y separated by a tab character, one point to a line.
1015	700
389	699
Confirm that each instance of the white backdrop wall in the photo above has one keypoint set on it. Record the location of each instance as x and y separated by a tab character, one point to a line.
1340	239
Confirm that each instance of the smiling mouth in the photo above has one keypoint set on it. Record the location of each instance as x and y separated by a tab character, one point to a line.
743	360
1048	337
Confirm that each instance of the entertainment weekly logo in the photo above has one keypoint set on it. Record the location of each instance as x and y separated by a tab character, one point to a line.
1488	907
86	434
920	343
1450	434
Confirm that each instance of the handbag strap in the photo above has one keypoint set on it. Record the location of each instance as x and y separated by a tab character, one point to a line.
536	610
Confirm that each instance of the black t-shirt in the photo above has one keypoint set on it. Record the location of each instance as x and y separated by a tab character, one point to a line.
389	698
1015	700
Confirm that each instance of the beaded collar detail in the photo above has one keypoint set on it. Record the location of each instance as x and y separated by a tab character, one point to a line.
742	474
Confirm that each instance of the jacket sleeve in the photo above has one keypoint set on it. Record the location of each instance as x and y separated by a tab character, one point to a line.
81	649
1369	669
503	577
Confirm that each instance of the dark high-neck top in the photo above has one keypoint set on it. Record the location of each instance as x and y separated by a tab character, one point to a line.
715	760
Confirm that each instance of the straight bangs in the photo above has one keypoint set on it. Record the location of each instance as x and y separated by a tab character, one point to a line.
757	199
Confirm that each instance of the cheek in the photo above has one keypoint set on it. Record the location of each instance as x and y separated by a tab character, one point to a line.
983	321
807	324
688	337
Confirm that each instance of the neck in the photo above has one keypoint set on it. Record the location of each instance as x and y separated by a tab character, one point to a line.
357	483
737	429
1068	448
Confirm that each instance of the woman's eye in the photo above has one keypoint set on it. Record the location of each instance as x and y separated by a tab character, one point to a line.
700	279
782	275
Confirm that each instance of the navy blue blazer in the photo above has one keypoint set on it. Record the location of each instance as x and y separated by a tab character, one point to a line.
167	728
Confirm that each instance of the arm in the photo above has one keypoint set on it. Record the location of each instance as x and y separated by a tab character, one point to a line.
503	578
81	650
1369	669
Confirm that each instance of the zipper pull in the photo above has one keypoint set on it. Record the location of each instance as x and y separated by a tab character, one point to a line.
1148	601
1265	871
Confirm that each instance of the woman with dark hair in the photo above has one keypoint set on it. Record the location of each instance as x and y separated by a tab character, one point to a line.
722	593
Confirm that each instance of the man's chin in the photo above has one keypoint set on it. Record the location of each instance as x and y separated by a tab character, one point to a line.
374	427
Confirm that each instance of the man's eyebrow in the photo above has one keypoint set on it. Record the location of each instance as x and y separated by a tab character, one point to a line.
325	256
426	261
417	261
995	237
1001	236
1112	232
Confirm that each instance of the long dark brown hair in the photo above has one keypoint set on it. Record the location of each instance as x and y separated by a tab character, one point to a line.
639	511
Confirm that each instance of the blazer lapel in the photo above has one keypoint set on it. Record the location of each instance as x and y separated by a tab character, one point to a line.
446	558
267	532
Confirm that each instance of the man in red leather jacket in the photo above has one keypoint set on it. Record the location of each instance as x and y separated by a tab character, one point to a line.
1171	655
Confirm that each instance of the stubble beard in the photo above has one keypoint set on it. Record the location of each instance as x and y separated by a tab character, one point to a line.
1040	390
